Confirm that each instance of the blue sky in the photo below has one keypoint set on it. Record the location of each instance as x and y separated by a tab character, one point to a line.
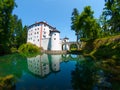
55	12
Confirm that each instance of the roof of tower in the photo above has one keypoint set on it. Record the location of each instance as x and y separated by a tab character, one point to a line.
66	38
54	30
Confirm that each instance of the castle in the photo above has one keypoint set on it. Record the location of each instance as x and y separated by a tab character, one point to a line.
44	35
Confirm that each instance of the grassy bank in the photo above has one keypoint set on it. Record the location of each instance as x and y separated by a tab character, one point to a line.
103	48
106	52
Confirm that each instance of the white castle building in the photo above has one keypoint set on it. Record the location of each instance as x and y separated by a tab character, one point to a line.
44	35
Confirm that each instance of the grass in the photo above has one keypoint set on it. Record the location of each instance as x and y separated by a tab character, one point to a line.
107	51
104	47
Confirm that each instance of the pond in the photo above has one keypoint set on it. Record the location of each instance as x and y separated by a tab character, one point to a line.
55	72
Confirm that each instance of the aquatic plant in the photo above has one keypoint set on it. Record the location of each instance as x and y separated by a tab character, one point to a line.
7	83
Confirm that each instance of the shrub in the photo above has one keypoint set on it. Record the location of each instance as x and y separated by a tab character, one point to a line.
13	50
28	49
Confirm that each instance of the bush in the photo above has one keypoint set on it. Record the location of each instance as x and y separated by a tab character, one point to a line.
28	49
13	50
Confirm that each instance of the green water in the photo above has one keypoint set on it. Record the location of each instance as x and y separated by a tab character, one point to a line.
55	72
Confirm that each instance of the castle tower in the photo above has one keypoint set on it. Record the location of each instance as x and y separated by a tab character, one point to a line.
55	40
65	46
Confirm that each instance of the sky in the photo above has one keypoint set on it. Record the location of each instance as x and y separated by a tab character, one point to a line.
56	13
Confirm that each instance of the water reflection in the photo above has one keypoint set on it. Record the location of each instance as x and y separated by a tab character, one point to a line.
42	65
87	76
75	72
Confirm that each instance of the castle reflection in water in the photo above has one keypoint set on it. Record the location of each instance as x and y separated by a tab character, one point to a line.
44	64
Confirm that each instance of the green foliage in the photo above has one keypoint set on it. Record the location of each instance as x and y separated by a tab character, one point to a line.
73	47
110	18
28	49
104	47
13	50
110	50
85	25
18	34
74	19
12	33
6	8
24	35
106	52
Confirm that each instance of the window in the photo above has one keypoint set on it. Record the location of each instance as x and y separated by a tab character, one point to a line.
38	39
44	32
37	32
55	34
54	38
44	36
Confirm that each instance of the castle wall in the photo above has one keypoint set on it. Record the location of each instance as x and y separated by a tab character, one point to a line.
45	44
33	35
55	41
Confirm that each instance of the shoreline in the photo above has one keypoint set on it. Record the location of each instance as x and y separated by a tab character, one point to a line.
54	51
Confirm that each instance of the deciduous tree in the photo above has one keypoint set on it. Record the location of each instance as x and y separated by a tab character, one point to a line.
85	25
112	14
6	8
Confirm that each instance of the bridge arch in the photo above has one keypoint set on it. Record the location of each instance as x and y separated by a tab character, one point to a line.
65	46
73	46
69	45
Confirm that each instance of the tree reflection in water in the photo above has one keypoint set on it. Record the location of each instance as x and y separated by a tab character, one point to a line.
83	75
87	76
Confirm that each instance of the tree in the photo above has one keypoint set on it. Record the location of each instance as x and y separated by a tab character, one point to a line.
24	34
18	32
12	33
112	14
88	24
6	8
85	25
74	19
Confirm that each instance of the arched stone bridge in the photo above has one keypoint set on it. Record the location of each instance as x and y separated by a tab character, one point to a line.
66	45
